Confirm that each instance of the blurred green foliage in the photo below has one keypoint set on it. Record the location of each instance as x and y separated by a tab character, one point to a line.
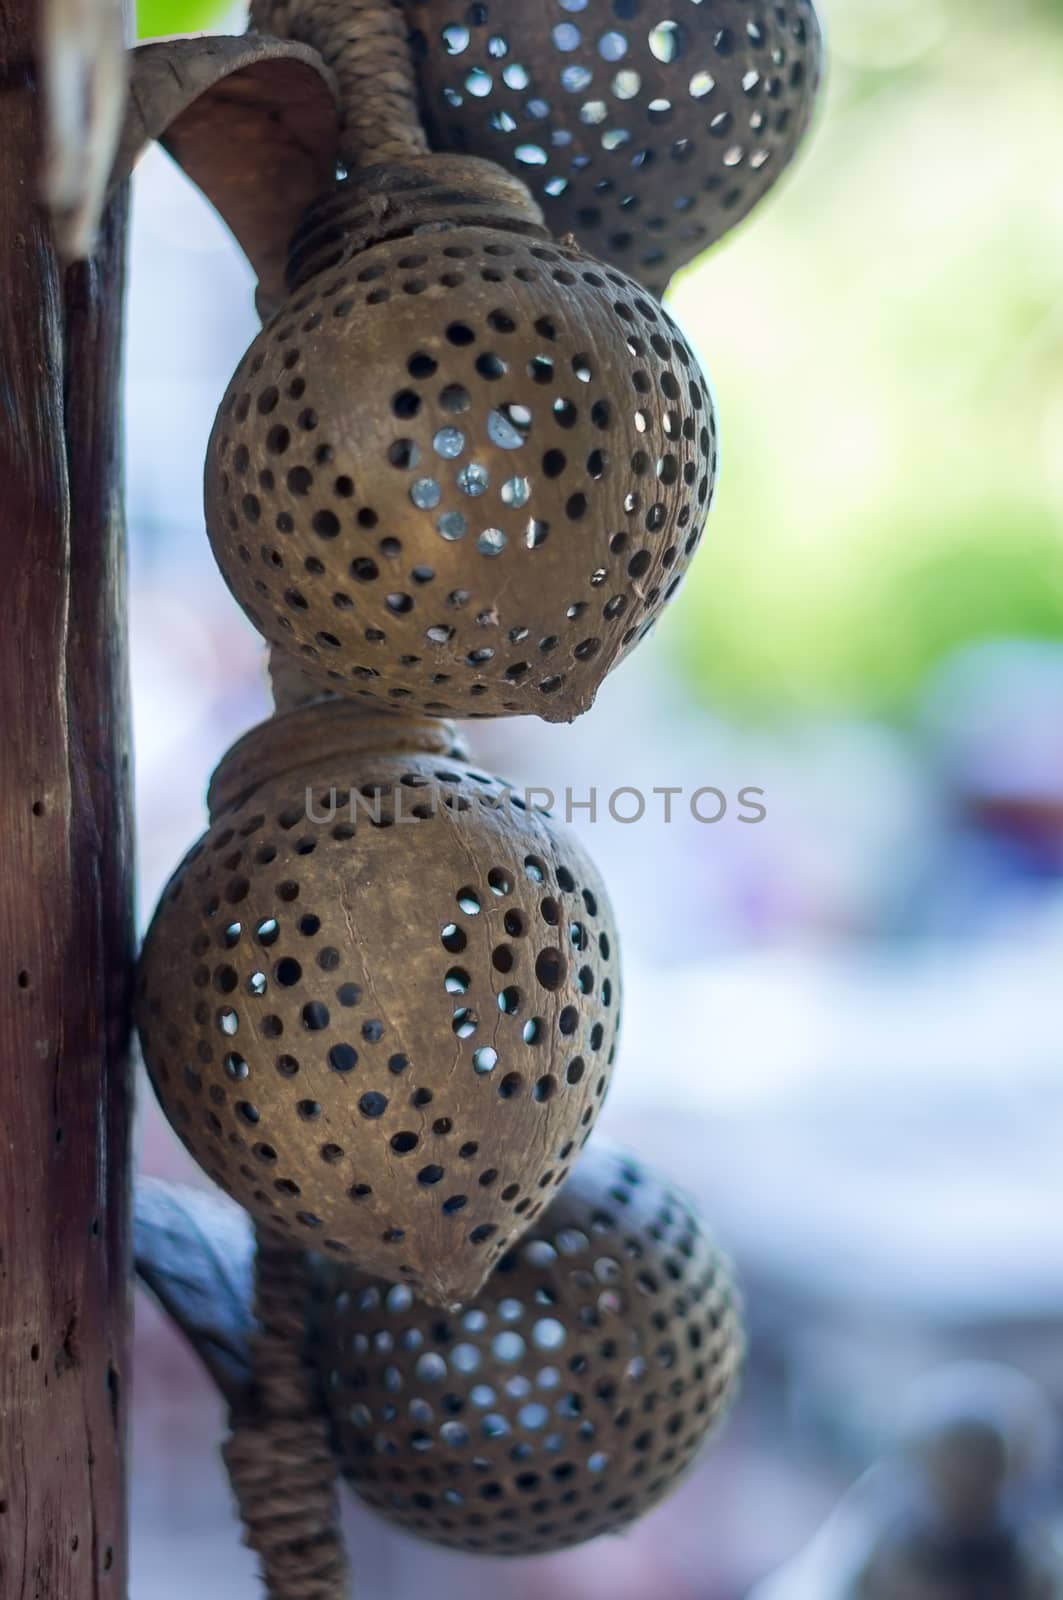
159	17
886	341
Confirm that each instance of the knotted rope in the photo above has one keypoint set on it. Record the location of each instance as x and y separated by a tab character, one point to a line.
279	1457
366	44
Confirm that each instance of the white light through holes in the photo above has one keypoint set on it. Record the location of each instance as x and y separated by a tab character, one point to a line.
575	78
612	46
425	494
516	492
452	525
455	39
473	479
479	83
504	427
449	443
508	1346
548	1333
667	41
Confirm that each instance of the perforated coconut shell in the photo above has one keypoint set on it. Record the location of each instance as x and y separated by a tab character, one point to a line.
646	129
460	472
570	1393
380	1005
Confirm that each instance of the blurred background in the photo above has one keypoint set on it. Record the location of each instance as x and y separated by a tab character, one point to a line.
839	1021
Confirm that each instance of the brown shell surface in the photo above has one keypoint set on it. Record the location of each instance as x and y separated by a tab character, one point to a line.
646	129
251	121
383	1021
462	474
566	1398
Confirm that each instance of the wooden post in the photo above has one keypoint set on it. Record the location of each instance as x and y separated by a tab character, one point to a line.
65	906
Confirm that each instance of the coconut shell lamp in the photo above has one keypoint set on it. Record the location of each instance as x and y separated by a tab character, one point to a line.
379	1001
646	130
462	469
565	1398
560	1402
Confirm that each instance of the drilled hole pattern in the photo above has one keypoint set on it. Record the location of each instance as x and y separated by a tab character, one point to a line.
647	128
565	1398
390	1037
462	474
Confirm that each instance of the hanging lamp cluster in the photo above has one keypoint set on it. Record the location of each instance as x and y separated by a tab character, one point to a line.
459	473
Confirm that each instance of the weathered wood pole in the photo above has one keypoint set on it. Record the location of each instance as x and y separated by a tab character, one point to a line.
65	904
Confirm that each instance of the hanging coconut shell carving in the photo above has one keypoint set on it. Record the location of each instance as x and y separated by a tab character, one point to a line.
379	1000
647	130
461	470
561	1402
566	1398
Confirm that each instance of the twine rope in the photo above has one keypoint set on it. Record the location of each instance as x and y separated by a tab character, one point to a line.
279	1458
365	42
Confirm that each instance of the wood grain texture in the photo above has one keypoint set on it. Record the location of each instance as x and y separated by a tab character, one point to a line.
65	909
